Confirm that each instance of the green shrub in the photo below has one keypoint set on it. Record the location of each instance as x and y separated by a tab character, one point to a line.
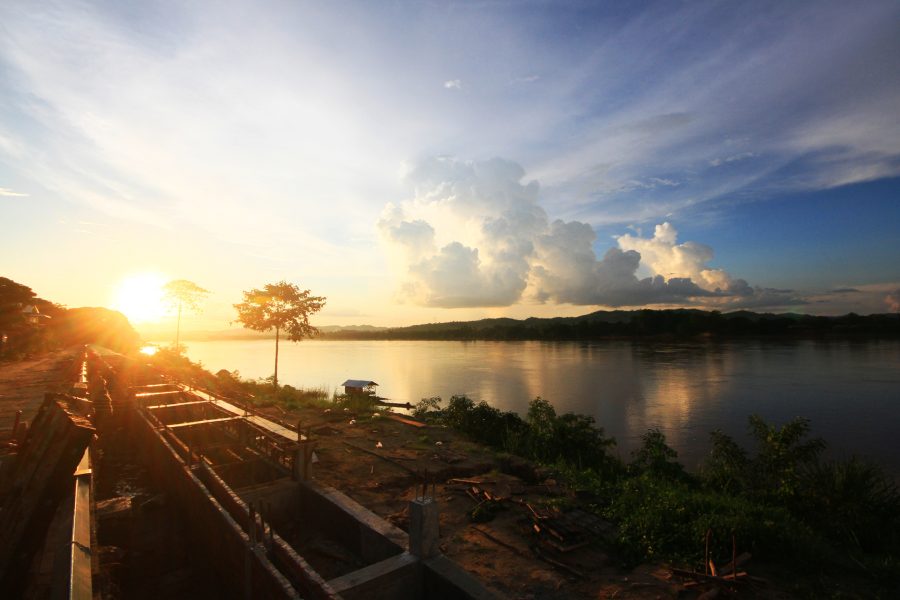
853	502
656	458
663	518
427	407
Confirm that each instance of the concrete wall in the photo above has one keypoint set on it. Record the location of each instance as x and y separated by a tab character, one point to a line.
339	517
213	530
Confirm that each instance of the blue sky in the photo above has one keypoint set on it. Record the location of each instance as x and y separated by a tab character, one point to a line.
435	161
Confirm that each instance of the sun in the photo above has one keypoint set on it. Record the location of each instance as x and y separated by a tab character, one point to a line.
140	297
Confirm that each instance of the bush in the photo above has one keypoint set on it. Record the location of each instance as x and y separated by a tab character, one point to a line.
663	518
657	458
853	502
427	407
569	439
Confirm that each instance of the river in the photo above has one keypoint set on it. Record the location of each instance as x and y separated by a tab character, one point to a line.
849	390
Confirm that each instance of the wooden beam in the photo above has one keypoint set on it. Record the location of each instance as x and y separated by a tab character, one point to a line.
204	422
177	404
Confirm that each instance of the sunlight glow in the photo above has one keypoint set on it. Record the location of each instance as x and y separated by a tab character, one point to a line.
140	297
149	350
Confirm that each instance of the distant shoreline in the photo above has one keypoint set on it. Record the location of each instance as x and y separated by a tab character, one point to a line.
661	325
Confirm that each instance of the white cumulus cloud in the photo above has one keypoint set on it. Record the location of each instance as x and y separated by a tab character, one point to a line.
474	235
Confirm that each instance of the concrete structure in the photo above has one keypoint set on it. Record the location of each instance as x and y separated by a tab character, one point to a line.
248	484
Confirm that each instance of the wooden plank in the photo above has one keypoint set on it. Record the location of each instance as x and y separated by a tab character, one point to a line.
204	422
260	421
165	393
176	404
404	420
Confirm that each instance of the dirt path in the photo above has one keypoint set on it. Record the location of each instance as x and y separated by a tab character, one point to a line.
23	384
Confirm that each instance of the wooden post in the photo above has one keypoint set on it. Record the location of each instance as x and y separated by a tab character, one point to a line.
733	556
706	554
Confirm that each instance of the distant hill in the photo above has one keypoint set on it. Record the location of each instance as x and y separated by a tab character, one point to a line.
638	323
166	334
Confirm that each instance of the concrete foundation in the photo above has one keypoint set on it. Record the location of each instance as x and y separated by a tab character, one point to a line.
424	535
245	487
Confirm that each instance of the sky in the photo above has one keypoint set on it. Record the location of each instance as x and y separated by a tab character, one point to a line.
435	161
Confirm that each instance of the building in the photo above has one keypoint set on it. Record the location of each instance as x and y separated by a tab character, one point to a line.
355	387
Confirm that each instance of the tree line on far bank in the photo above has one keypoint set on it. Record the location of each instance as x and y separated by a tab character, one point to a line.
646	323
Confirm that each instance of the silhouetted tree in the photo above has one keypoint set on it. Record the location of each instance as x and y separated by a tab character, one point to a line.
280	306
183	293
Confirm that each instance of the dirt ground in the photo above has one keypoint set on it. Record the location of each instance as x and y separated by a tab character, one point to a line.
23	384
381	461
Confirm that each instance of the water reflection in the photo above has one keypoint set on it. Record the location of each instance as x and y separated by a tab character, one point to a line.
847	389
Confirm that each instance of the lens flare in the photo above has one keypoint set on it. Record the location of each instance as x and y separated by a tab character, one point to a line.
140	297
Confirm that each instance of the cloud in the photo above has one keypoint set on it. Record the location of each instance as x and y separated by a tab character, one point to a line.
453	84
11	193
474	234
730	159
567	271
486	204
893	301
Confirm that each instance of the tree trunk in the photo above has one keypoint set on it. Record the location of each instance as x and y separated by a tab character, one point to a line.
276	359
178	329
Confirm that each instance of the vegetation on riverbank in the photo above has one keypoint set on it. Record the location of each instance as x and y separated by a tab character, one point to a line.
675	323
782	501
259	392
837	523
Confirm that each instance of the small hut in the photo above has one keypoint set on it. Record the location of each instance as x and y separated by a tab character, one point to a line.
359	387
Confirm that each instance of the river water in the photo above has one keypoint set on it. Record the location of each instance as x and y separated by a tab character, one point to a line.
850	391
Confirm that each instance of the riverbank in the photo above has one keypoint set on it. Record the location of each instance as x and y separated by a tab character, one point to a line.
638	519
566	519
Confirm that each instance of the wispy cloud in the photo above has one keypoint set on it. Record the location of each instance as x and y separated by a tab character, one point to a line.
11	193
248	128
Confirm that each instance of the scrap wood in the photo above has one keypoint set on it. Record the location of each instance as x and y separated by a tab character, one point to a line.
404	420
740	576
534	514
556	563
498	541
567	547
469	481
382	457
741	559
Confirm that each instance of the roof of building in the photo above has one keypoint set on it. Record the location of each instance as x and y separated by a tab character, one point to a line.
358	383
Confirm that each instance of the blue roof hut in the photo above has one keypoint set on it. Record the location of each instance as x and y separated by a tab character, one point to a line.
359	387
